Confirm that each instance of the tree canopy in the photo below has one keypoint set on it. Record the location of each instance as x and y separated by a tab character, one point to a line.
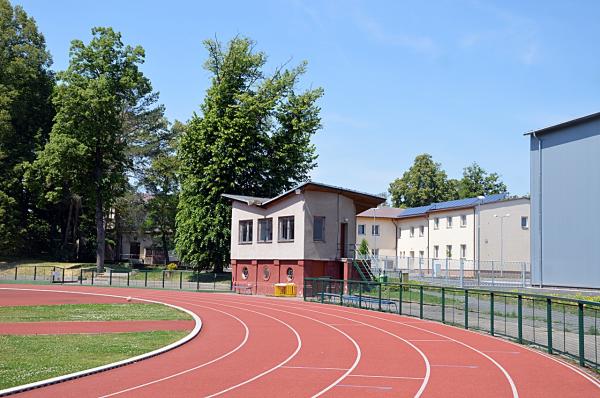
252	138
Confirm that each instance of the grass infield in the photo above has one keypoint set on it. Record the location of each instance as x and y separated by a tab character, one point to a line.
26	359
91	312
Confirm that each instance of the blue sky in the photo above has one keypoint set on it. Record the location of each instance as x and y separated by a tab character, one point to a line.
461	80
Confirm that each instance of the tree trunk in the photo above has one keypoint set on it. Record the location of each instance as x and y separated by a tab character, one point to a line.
100	230
165	248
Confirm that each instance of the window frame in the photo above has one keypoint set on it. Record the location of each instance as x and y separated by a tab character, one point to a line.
448	251
436	251
421	231
412	232
449	222
364	229
373	228
463	251
463	217
322	218
264	221
436	223
526	218
243	233
285	221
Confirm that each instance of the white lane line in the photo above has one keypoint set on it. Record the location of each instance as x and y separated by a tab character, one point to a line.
357	386
356	346
513	387
417	340
352	375
312	368
244	341
421	353
388	377
502	352
457	366
98	369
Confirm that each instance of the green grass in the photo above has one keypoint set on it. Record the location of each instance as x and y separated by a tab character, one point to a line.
26	359
90	312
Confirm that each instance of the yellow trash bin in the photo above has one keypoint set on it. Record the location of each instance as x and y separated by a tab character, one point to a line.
290	290
280	289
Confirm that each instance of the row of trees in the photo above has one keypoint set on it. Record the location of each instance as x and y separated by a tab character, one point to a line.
87	153
426	182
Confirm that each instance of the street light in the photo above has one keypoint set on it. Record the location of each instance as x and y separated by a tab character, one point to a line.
502	239
480	200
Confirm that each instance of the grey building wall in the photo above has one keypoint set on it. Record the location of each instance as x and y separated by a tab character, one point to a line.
565	210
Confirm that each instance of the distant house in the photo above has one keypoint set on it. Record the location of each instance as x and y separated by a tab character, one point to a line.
447	231
565	210
307	231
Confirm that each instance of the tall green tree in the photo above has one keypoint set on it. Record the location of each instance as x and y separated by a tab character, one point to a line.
423	183
97	98
252	138
476	181
26	113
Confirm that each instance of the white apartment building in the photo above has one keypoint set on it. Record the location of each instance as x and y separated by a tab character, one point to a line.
446	234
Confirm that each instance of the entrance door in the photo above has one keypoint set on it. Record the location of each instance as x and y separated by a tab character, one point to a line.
343	235
134	250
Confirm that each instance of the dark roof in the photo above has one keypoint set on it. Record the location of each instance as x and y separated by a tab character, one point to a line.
362	200
568	123
381	212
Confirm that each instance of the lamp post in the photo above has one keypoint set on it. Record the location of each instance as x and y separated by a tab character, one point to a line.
502	239
480	200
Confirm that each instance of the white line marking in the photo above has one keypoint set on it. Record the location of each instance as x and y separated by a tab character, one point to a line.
355	375
456	366
244	341
357	386
444	340
312	368
502	352
425	359
54	380
356	346
388	377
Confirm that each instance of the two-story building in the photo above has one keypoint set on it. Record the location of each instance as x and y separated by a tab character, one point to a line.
308	231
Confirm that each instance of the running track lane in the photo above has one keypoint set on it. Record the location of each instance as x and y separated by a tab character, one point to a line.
259	347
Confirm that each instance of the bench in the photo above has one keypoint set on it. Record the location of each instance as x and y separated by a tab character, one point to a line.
242	288
358	299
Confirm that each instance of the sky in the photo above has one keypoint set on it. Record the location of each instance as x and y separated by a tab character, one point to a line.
460	80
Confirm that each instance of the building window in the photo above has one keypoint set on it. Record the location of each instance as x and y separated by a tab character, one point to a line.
412	232
375	252
449	251
422	230
436	251
361	229
266	273
463	251
463	220
245	273
448	222
436	223
319	229
412	254
524	222
286	229
375	230
245	232
399	232
290	274
265	230
421	254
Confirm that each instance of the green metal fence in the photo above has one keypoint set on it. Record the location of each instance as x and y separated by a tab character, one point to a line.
164	279
563	326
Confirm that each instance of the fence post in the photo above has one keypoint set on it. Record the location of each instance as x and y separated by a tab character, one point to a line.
466	309
447	276
16	268
379	296
322	291
145	278
163	278
34	272
400	299
493	275
180	280
127	278
93	277
360	289
549	323
342	292
198	279
581	335
443	305
63	276
462	272
80	276
520	318
492	313
421	302
523	274
110	278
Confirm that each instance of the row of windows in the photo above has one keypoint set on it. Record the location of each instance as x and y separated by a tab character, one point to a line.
436	252
436	225
285	230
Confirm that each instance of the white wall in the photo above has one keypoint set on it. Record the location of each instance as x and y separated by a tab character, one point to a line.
456	236
416	243
385	242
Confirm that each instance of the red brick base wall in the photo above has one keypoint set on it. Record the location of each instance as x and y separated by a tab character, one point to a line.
262	275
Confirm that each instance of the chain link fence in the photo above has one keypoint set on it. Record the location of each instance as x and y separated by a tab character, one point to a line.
563	326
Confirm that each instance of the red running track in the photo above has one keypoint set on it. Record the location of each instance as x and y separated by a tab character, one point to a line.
264	347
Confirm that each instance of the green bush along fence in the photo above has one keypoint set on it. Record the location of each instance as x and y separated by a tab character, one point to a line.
176	279
563	326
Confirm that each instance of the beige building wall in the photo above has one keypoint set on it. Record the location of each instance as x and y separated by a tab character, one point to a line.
291	206
515	239
456	235
337	209
385	242
412	246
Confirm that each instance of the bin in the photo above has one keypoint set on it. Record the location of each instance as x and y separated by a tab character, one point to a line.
383	278
290	290
280	289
